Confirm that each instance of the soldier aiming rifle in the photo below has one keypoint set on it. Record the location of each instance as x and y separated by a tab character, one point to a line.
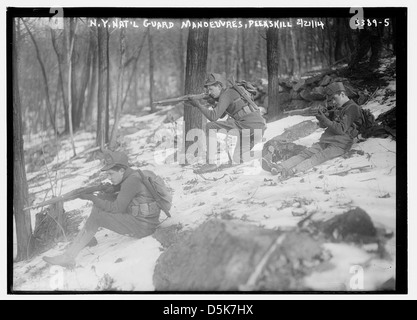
134	211
244	118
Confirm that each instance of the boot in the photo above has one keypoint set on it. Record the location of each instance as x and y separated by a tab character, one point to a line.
284	173
67	259
276	169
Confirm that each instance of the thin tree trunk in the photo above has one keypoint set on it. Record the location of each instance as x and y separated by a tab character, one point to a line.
85	76
330	40
107	119
92	86
338	55
195	73
132	75
102	85
112	144
243	53
226	53
45	78
61	80
234	55
181	62
296	70
20	187
151	71
74	79
70	48
274	109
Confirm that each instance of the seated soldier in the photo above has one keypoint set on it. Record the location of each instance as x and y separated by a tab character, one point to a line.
243	120
336	140
134	212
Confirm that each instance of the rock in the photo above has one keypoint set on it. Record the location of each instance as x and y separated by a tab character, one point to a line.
299	85
350	91
284	97
169	235
353	226
297	212
294	95
305	94
326	80
296	205
222	255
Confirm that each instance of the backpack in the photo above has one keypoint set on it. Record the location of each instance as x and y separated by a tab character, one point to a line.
368	122
246	90
248	87
384	126
159	190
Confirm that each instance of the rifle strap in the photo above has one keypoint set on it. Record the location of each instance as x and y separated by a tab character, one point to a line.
152	190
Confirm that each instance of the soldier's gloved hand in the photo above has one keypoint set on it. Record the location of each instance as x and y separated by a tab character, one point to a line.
322	118
87	196
192	102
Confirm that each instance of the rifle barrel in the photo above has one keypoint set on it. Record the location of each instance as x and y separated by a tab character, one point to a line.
70	195
181	98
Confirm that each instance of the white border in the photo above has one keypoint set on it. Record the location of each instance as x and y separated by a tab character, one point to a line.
412	128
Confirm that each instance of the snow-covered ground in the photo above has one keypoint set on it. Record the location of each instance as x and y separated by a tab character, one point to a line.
244	192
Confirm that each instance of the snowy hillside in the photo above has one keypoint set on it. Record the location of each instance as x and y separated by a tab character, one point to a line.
244	193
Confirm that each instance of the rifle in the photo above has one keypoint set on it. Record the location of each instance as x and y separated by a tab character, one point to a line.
310	111
182	98
106	187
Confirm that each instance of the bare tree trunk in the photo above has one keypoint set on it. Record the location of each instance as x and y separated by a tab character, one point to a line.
181	62
272	42
85	76
112	144
92	87
330	40
20	187
133	74
258	53
338	55
226	53
70	44
74	79
195	73
234	55
61	81
151	67
102	85
45	78
296	70
243	53
107	118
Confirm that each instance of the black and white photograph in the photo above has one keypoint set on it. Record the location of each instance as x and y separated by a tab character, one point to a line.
207	150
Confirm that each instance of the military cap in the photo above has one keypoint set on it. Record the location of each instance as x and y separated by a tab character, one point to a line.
334	88
113	158
214	78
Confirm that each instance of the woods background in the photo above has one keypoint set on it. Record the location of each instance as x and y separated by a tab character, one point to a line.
82	76
61	70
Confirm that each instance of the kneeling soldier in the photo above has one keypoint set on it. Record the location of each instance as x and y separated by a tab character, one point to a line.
243	119
134	212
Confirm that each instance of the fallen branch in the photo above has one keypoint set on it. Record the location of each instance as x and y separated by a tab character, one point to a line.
213	179
250	284
345	172
300	112
371	96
